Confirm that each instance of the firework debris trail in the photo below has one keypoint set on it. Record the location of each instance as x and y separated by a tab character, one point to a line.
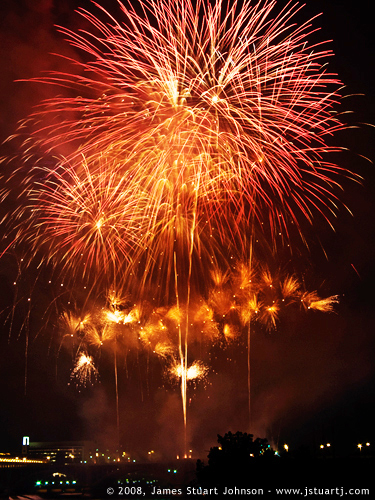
190	130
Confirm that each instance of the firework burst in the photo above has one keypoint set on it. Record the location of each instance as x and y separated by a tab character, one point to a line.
188	130
182	140
84	371
196	371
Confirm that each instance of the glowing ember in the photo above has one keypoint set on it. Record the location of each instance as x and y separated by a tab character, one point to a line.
84	371
196	370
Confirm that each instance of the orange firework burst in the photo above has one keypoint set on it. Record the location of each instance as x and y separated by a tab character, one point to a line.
84	371
261	297
73	324
185	138
311	300
196	371
84	217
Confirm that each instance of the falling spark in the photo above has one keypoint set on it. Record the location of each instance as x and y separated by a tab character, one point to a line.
84	371
196	371
324	305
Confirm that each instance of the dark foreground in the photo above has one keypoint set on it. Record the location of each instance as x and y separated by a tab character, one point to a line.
328	478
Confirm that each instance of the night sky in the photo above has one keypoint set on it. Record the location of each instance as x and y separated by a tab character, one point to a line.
312	379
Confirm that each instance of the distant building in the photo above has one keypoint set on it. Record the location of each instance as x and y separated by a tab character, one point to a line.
71	452
64	452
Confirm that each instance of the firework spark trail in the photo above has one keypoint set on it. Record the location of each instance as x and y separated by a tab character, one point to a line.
312	300
193	125
90	214
84	371
243	297
197	370
192	130
240	297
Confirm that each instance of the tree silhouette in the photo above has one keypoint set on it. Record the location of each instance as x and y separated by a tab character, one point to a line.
233	461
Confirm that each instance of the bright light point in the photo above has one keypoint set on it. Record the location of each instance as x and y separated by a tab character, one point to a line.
115	316
195	371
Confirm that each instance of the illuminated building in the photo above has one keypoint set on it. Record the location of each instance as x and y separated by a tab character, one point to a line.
65	452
